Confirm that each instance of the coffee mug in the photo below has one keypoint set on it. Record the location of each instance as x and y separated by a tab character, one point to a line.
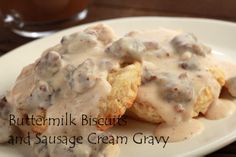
38	18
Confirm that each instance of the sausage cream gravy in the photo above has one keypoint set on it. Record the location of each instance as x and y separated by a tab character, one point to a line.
176	69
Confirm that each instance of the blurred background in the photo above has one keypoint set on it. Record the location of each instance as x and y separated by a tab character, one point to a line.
98	10
48	16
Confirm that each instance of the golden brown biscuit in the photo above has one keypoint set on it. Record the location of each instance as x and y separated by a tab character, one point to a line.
145	112
204	100
218	74
40	113
125	83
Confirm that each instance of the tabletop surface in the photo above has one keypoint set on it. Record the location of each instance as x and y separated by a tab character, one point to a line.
107	9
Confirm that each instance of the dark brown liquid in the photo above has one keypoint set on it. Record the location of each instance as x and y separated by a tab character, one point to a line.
43	10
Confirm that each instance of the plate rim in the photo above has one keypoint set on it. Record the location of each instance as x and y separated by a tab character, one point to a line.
197	19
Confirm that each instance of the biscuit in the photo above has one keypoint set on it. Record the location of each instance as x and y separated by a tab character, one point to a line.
40	113
145	112
204	100
218	74
125	83
149	113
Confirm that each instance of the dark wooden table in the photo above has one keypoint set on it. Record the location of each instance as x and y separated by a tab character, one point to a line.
106	9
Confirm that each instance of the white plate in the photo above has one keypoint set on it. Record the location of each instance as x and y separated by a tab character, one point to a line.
221	36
